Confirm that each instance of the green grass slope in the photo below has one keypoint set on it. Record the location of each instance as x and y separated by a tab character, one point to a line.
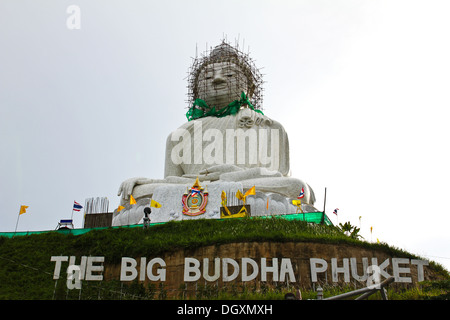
26	271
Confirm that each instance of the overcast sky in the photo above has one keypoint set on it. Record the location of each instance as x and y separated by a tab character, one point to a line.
361	87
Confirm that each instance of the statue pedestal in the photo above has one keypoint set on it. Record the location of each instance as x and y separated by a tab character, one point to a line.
170	197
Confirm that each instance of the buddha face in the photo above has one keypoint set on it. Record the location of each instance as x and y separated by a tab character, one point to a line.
221	83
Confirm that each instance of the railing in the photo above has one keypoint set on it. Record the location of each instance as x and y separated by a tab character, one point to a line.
363	292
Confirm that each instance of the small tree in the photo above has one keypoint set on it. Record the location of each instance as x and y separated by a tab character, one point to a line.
349	230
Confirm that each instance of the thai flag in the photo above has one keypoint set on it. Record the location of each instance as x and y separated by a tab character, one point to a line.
335	211
302	194
77	206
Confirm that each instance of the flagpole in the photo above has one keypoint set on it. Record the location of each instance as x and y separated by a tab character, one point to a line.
17	223
71	217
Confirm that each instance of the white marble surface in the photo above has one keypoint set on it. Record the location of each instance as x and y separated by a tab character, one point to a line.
170	196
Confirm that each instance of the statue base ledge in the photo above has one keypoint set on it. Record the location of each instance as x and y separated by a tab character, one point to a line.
170	197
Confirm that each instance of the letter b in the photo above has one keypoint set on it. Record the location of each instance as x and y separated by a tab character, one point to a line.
191	265
128	266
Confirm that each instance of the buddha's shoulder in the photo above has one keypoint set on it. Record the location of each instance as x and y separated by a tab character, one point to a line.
223	123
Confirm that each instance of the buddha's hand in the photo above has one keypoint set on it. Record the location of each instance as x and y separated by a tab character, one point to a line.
213	173
247	118
262	120
126	187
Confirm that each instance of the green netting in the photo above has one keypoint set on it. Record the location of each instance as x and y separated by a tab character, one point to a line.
312	217
200	109
75	232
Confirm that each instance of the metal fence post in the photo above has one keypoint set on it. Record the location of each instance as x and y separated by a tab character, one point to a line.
319	293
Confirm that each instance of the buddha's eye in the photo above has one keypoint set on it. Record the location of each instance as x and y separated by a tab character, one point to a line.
229	75
208	75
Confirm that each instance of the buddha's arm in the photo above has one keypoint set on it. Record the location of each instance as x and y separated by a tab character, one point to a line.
214	173
284	167
126	187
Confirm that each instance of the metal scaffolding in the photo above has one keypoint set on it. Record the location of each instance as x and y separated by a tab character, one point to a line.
232	56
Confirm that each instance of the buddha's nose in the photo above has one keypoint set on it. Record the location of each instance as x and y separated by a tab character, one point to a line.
218	80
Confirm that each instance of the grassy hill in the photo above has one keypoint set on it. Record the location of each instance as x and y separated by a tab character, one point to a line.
26	270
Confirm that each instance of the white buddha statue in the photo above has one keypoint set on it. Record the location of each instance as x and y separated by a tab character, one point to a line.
227	138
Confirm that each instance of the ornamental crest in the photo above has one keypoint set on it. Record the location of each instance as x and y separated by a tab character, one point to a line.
194	200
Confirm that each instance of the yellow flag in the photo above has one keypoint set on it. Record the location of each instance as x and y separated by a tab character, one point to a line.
132	201
298	203
228	213
250	191
239	195
242	213
154	204
120	208
224	199
23	209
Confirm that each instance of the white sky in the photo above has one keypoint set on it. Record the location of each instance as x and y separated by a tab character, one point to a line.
362	88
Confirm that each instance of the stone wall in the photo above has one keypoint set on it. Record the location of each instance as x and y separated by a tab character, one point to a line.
296	255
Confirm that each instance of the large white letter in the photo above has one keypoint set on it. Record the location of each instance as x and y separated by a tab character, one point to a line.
286	267
354	268
382	266
254	265
397	270
160	273
315	269
191	265
225	262
335	270
128	266
420	264
58	260
82	265
206	269
91	268
265	269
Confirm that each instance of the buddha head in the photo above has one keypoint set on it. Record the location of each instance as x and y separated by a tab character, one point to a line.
220	77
